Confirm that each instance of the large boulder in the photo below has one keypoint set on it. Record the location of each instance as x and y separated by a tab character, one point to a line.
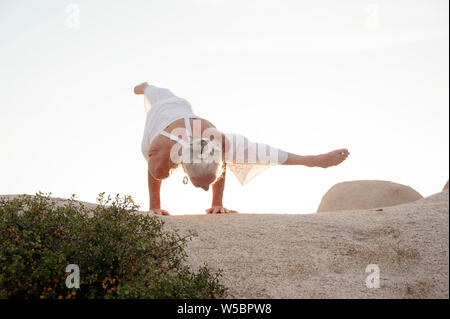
366	195
445	187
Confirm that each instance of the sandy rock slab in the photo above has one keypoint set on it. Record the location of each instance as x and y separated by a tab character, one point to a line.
326	255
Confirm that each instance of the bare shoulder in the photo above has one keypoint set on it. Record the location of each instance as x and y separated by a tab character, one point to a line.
160	145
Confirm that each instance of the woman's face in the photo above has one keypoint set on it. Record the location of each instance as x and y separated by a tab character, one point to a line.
203	181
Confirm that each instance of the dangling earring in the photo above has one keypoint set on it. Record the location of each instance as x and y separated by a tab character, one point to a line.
185	180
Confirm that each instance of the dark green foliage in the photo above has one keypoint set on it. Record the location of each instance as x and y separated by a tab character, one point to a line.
120	253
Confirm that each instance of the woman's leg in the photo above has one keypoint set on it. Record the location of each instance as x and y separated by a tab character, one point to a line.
332	158
242	150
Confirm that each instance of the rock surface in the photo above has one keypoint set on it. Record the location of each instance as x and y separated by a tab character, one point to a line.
326	255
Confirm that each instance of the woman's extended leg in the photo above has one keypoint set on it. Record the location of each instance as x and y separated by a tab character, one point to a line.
332	158
242	150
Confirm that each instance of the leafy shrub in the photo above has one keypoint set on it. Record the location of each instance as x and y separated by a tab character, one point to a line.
120	253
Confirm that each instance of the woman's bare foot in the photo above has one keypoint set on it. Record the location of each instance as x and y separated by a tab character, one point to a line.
139	89
332	158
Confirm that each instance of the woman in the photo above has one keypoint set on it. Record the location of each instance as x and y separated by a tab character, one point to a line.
174	135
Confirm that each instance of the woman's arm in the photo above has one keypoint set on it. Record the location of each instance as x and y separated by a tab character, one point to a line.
218	188
154	188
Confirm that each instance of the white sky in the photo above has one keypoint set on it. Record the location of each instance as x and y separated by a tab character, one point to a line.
304	76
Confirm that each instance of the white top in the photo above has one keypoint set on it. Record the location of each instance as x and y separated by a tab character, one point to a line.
163	108
245	158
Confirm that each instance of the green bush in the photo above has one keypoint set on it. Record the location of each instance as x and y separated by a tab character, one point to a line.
120	253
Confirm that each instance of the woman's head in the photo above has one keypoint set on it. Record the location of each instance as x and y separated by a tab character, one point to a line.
202	162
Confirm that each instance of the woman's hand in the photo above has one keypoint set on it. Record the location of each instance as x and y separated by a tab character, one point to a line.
157	211
220	210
